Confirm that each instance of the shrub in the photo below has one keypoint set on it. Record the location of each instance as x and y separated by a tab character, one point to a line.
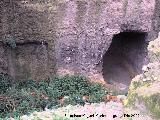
97	91
28	96
75	86
5	83
68	85
32	84
17	102
153	104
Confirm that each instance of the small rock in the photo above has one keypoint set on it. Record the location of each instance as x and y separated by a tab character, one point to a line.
122	97
145	68
35	113
24	117
155	78
66	97
144	79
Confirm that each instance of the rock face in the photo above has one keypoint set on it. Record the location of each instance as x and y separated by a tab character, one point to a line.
144	92
72	36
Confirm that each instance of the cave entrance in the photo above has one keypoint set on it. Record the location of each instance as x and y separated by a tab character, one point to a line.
124	59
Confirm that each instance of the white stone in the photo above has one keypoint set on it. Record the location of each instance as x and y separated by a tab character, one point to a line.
46	109
24	117
144	79
122	97
145	68
68	58
159	35
66	97
155	78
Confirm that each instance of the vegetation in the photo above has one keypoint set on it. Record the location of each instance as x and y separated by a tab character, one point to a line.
9	40
28	96
153	104
5	83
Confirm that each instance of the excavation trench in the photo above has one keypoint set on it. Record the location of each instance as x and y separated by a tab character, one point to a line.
124	59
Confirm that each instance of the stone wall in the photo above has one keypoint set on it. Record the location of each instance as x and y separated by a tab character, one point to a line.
77	32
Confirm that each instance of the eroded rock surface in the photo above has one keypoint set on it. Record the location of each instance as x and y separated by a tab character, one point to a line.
78	32
144	92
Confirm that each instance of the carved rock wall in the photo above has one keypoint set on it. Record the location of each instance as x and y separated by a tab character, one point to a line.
77	32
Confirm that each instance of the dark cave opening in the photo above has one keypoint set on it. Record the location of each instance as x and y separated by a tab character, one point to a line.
124	59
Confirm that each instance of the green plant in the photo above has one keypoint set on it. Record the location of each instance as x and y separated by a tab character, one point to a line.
18	102
153	104
97	91
60	118
10	41
75	86
68	85
27	96
136	84
5	83
131	99
32	84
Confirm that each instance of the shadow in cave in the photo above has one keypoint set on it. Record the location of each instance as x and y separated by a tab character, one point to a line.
124	59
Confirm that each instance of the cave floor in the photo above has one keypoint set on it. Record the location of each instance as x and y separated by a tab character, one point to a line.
124	59
116	73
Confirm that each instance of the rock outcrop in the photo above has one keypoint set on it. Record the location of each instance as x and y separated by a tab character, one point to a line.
144	92
68	36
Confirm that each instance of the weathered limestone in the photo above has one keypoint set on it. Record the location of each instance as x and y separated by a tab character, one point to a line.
144	91
77	32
